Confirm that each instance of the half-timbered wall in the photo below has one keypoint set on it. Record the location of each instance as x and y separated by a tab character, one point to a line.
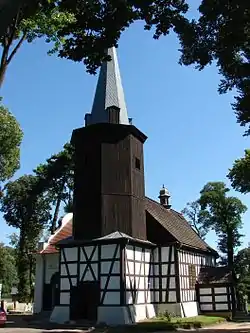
164	282
190	264
96	263
213	298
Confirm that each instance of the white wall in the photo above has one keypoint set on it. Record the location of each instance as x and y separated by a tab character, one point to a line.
38	296
51	265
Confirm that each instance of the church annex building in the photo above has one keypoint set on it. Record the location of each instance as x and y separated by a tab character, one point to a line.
129	257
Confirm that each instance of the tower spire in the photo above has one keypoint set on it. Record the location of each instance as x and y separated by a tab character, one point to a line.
109	93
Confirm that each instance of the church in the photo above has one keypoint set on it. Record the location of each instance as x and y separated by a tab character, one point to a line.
122	257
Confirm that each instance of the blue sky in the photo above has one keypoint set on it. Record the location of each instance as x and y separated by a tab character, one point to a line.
192	132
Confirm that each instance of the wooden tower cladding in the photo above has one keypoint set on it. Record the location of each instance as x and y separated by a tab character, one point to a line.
109	180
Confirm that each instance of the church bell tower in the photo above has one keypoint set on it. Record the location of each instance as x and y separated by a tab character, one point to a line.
109	188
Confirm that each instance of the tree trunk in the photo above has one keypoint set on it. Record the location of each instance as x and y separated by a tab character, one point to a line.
23	269
230	249
56	213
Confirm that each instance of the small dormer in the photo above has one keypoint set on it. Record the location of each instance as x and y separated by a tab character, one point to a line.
164	197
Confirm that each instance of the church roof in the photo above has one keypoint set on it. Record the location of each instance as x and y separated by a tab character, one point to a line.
171	220
215	275
64	231
176	225
109	92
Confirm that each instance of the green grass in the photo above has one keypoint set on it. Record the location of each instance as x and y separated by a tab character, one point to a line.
248	307
162	324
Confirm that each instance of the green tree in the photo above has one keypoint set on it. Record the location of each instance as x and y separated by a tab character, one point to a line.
29	214
197	218
8	270
222	35
242	269
239	175
98	25
10	141
55	181
46	22
224	217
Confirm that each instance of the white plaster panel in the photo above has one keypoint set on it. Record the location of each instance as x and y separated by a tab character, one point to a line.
156	255
63	270
129	281
64	298
140	297
164	283
164	269
206	299
206	307
156	269
221	298
147	255
165	254
156	294
130	252
172	269
221	290
129	298
65	285
147	266
172	282
172	296
89	251
141	283
221	306
51	266
71	253
105	267
138	254
111	297
108	251
172	256
90	275
163	295
205	291
156	282
138	268
72	269
151	269
129	267
114	282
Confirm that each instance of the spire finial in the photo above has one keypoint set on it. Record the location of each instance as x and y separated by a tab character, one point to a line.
109	93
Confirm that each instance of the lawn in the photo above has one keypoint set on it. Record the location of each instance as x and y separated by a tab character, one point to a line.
163	324
248	307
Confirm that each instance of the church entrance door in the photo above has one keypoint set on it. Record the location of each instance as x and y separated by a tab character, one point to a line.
84	300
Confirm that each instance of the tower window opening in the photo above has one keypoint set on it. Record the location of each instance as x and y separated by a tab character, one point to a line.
137	163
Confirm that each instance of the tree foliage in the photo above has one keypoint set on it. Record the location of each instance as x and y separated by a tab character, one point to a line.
242	268
10	141
222	35
224	217
45	22
197	218
82	30
8	271
55	181
239	175
29	214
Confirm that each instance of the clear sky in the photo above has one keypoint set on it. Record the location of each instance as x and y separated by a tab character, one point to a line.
192	132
